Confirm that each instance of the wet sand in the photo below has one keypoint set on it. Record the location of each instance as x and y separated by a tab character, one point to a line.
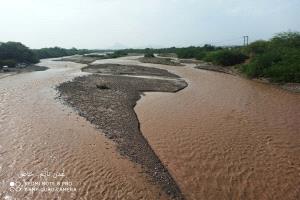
39	133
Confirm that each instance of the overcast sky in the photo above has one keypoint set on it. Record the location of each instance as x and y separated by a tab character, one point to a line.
143	23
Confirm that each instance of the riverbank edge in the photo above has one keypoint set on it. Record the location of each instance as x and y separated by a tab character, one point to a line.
15	71
144	154
291	87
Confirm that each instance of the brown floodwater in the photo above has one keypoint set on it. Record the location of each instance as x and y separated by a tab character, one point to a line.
44	144
224	137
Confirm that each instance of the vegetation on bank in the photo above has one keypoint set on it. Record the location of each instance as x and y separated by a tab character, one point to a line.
56	52
209	53
226	57
149	53
117	54
12	53
277	59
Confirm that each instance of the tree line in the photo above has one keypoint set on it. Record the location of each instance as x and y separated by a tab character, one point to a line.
13	53
277	59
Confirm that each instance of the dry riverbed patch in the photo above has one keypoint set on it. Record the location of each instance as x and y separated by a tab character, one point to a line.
108	101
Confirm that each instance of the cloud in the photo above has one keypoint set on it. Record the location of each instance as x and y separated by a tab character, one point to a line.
102	23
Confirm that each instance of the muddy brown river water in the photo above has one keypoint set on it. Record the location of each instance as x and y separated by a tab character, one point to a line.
41	140
223	137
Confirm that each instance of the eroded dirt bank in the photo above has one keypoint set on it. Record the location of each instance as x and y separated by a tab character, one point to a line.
38	134
108	102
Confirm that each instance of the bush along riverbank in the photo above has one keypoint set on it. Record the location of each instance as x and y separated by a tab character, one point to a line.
17	55
14	53
56	52
278	60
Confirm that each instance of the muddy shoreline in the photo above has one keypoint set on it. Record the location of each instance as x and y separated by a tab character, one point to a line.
291	87
14	71
215	68
108	102
160	61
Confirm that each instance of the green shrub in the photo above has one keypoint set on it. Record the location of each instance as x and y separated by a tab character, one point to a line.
118	54
195	52
17	52
287	69
226	57
200	55
286	39
186	53
277	59
56	52
258	47
9	63
149	55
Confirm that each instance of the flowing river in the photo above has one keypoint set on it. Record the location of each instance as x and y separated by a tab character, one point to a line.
223	137
45	144
226	137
